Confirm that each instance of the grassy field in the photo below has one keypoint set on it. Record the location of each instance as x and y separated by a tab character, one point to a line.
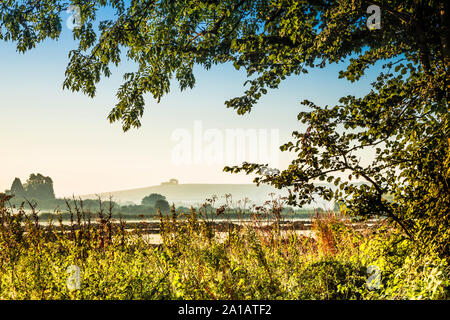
197	259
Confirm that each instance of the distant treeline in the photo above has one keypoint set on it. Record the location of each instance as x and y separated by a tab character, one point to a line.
65	206
140	212
37	193
67	209
36	187
91	208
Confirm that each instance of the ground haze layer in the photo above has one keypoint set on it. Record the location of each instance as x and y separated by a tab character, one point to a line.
192	194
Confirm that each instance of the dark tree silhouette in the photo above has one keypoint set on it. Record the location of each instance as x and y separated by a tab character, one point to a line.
17	188
162	205
39	187
151	200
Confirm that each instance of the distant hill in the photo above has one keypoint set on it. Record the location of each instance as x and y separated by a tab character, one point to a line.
194	194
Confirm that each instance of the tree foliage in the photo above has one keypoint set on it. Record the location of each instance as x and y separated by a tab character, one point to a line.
151	199
404	119
39	187
17	188
162	205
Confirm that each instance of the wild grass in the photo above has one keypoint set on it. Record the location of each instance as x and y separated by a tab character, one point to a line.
199	259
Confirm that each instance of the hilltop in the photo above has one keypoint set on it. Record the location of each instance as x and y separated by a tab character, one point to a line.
193	194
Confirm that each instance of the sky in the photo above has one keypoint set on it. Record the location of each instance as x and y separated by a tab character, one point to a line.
64	135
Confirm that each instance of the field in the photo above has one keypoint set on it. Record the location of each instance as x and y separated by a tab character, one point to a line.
104	258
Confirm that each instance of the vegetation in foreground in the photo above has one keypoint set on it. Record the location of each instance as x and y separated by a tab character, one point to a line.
195	261
404	120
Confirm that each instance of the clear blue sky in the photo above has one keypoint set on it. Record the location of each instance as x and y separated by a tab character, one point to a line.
67	136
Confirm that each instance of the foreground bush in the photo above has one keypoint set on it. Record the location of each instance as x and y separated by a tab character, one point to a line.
195	261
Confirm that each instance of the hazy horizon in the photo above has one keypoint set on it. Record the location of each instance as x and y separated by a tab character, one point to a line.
66	135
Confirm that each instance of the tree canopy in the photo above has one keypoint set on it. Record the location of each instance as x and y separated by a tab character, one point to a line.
151	199
162	205
37	187
271	40
17	188
404	119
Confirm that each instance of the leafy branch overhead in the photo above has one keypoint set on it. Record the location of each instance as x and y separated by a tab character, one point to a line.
270	39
